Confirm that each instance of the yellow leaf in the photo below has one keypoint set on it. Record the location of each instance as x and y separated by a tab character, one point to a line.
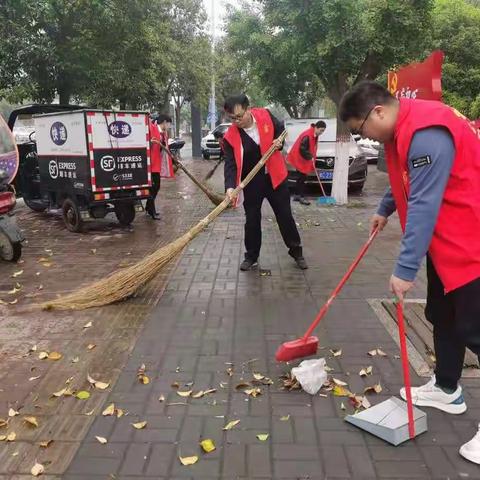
2	438
45	444
11	437
184	394
285	418
59	393
263	437
231	424
32	421
42	355
207	445
3	423
101	385
54	356
91	346
199	394
12	412
139	425
83	395
253	392
119	413
110	410
13	302
17	274
144	379
37	469
102	440
188	460
258	376
340	391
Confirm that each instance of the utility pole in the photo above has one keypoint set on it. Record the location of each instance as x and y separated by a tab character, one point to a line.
212	111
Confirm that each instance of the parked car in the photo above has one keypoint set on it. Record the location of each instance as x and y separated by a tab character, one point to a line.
210	145
369	147
325	162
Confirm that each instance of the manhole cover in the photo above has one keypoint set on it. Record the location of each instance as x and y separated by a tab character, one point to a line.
419	335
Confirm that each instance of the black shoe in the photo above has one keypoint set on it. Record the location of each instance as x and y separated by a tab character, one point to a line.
248	264
304	201
155	216
302	264
296	198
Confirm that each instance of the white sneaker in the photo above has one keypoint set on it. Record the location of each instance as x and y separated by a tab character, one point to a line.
471	449
429	395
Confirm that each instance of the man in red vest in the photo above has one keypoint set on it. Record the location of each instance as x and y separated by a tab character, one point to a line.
252	133
433	161
302	156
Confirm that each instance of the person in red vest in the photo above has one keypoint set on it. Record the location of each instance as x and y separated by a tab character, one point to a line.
252	133
433	162
302	156
161	161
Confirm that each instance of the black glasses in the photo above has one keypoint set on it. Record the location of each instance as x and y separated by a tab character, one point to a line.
238	117
359	130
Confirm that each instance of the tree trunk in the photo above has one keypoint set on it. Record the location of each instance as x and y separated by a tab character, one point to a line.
340	171
64	95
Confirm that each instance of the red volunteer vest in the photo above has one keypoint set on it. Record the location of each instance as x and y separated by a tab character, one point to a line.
276	163
154	147
294	156
455	246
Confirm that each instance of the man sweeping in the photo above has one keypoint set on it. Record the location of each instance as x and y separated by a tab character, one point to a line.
302	156
252	133
433	161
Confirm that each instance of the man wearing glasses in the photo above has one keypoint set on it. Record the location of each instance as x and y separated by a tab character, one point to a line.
433	161
252	133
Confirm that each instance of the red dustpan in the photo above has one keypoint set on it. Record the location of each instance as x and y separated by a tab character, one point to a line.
307	345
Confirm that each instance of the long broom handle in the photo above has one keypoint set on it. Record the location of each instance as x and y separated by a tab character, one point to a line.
318	178
405	368
342	282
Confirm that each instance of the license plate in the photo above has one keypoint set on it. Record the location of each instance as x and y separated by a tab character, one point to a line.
326	175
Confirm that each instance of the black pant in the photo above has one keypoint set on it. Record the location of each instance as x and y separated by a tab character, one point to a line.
300	185
150	206
279	200
456	324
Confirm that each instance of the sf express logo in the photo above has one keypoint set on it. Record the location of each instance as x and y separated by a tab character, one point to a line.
107	162
53	169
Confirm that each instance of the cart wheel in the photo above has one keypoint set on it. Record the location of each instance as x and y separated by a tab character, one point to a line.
71	216
125	213
35	206
9	251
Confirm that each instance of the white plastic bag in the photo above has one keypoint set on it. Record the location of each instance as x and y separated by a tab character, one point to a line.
311	374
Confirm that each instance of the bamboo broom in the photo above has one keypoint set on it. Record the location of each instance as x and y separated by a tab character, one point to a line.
124	283
209	175
216	198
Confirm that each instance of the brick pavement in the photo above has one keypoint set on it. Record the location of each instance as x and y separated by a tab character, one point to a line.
212	318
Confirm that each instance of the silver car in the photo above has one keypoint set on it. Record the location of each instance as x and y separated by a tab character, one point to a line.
325	162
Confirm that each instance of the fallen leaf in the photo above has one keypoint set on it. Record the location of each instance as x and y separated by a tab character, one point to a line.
207	445
17	274
335	352
3	423
90	413
285	418
161	398
88	325
37	469
369	370
231	424
242	385
340	383
43	355
381	353
258	376
120	413
144	379
372	353
91	346
263	437
11	437
340	391
211	390
32	421
75	360
54	356
83	395
362	372
188	460
110	410
342	406
90	380
229	371
366	403
45	444
94	250
175	385
199	394
253	392
12	412
15	454
13	302
2	438
60	393
184	393
375	388
101	440
13	291
101	385
139	425
33	349
31	379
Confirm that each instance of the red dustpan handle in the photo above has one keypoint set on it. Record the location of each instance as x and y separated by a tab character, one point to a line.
342	282
405	368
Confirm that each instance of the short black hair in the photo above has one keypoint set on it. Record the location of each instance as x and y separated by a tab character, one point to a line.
232	100
320	124
162	117
361	98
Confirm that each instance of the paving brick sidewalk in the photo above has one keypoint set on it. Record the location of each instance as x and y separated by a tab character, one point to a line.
213	317
214	326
